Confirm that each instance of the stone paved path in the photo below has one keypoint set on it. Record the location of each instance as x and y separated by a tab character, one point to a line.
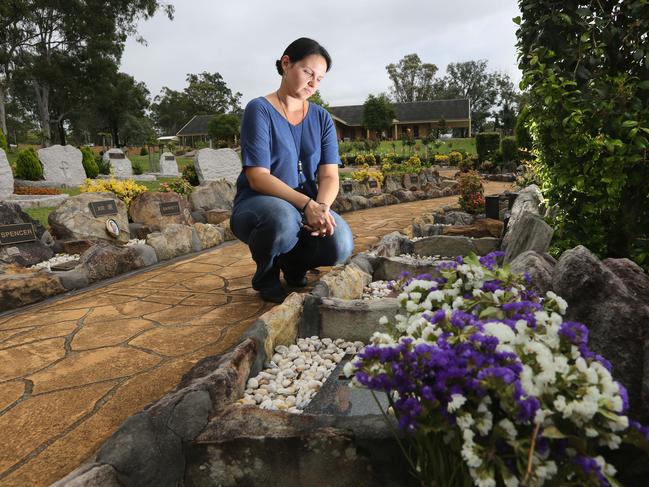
73	369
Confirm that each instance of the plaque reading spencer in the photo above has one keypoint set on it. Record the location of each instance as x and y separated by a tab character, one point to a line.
170	158
17	233
373	184
347	187
116	155
170	208
103	208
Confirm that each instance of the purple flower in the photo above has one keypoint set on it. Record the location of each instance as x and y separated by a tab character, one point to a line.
490	261
591	468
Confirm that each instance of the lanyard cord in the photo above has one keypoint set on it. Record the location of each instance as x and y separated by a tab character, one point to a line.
298	147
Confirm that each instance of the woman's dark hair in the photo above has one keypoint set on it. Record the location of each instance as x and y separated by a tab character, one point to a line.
301	48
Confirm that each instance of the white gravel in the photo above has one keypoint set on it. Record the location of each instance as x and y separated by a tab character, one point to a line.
296	373
57	259
136	241
377	290
421	259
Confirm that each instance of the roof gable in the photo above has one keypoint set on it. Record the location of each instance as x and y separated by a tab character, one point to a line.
417	111
197	125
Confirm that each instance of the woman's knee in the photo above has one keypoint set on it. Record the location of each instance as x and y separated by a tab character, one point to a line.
267	219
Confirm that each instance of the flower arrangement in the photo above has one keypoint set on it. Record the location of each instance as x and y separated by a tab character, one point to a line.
364	174
126	190
179	185
455	157
471	193
492	385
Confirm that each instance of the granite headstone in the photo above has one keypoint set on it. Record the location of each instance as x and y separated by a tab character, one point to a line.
212	165
6	177
120	164
62	164
168	164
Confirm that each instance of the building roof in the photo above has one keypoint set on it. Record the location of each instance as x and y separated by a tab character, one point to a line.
196	126
417	111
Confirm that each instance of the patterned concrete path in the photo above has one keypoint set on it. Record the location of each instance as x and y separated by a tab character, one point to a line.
73	369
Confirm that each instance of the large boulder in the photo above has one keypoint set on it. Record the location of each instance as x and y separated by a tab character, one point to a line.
212	165
213	195
539	267
27	253
174	240
404	195
62	164
530	232
6	177
106	260
383	199
529	200
23	288
360	202
148	209
392	183
208	235
74	220
482	227
613	302
444	246
394	244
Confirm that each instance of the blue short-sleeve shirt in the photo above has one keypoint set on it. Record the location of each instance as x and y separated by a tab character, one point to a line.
269	140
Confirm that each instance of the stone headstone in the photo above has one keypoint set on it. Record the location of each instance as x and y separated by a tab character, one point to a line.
120	164
168	165
22	253
62	164
213	195
373	187
155	210
212	165
75	220
6	177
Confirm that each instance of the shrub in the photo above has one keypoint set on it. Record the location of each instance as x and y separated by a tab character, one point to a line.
102	166
509	149
364	174
137	167
189	174
28	166
471	192
521	132
455	157
486	144
126	190
3	142
180	186
144	151
442	159
466	165
89	163
487	166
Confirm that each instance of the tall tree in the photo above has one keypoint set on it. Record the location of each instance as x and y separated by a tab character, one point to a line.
378	113
224	126
81	29
411	79
317	99
170	111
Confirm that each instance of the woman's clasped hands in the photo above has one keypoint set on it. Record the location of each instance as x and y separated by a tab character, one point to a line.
318	219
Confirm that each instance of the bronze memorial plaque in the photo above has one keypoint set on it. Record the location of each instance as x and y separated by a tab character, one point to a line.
373	184
347	187
17	233
170	158
116	155
170	208
103	208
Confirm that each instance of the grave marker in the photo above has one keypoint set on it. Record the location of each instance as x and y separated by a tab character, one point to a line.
168	165
120	164
103	208
170	208
17	233
62	165
212	165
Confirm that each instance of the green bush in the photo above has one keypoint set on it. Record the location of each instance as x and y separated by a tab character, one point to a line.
189	174
521	132
487	144
3	142
102	166
144	152
28	166
89	163
137	167
588	98
509	149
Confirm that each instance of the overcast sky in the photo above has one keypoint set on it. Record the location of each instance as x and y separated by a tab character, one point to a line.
242	39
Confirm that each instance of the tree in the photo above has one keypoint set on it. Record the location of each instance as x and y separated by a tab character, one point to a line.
224	127
170	111
317	99
378	113
411	79
81	30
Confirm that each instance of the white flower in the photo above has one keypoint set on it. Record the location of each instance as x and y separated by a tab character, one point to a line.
509	428
349	368
383	320
457	401
501	331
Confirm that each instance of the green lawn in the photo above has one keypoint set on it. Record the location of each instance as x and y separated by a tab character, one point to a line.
438	147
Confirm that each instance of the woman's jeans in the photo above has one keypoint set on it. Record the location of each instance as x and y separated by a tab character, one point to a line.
272	228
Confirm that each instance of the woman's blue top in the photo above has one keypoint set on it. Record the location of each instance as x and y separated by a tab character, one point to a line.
269	140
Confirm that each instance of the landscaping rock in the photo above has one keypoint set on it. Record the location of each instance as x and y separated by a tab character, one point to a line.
76	247
389	268
392	183
350	188
281	323
6	177
412	182
21	289
346	282
212	165
138	230
355	320
73	220
482	227
208	235
342	204
62	164
91	475
529	200
617	316
634	278
106	260
172	241
217	216
213	195
394	244
449	191
360	203
199	216
27	253
444	246
454	218
383	199
539	267
530	232
146	209
404	196
224	226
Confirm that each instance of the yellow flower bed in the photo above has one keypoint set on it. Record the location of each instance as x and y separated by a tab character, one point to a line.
126	190
365	173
